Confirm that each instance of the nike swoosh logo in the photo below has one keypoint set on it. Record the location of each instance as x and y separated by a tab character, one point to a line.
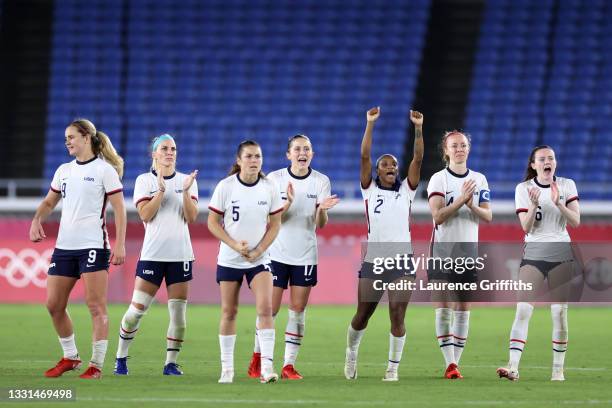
89	266
235	201
184	276
448	192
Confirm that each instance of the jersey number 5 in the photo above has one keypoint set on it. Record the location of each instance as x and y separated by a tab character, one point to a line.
235	213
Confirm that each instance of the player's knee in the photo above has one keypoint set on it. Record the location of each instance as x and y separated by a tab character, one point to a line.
141	300
523	311
298	308
97	308
55	308
177	309
559	316
229	312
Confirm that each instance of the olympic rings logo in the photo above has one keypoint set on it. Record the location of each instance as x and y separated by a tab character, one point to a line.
27	266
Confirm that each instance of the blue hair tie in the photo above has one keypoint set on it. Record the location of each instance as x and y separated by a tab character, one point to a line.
160	139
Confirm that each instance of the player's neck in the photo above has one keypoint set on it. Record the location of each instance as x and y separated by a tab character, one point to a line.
299	171
85	156
459	168
248	178
166	170
545	181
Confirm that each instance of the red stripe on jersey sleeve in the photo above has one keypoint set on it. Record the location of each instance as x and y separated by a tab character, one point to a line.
215	210
55	191
569	200
435	193
277	211
114	192
194	198
521	210
143	199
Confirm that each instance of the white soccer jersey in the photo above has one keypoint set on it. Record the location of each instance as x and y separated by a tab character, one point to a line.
296	243
167	234
549	224
84	187
245	209
463	225
388	217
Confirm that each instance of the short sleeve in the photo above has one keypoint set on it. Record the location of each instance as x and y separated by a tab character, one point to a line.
572	192
110	180
484	194
56	186
142	190
365	192
193	190
217	201
435	187
324	190
276	205
521	198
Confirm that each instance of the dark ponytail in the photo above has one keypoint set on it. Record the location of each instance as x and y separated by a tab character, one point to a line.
529	171
235	167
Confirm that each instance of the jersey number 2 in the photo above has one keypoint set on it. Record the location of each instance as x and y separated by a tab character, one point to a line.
379	202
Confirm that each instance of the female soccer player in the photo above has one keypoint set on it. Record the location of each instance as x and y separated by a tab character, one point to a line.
388	201
166	201
545	204
82	247
458	199
245	215
306	193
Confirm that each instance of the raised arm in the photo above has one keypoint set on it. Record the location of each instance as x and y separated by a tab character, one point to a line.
414	170
37	233
365	175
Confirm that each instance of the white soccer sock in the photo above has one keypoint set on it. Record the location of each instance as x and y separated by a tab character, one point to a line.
256	348
353	338
559	334
176	329
444	317
518	334
69	346
266	343
127	329
396	347
461	326
98	353
227	344
293	335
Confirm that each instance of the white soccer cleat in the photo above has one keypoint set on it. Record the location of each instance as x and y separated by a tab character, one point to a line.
268	377
557	375
512	375
350	364
227	377
391	375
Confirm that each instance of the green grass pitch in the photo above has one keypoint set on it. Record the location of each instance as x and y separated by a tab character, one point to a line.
28	346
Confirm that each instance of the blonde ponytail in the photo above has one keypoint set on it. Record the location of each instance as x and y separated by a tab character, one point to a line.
108	152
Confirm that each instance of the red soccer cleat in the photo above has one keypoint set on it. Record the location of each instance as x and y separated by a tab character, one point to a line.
92	373
65	364
289	373
255	366
452	372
